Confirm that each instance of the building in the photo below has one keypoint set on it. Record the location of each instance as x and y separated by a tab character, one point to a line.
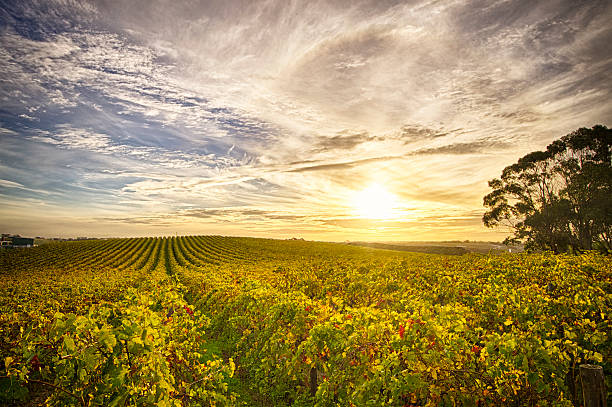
15	241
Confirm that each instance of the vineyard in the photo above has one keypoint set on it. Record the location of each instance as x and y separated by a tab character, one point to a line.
219	321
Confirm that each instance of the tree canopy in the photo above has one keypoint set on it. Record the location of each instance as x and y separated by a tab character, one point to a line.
559	199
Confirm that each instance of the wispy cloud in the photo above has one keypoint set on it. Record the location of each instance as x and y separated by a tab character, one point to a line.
10	184
344	165
271	114
472	147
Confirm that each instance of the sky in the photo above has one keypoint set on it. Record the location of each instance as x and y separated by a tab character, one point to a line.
327	120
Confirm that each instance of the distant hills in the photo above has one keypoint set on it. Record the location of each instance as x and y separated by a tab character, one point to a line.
452	247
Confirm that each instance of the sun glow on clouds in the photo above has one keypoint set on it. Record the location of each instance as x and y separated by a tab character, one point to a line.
264	117
375	202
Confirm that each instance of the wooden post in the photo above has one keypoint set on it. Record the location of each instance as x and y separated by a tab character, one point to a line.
593	386
313	381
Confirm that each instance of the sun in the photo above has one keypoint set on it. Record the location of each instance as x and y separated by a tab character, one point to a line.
375	202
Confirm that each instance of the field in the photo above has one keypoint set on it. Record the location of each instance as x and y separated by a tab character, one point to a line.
212	320
453	247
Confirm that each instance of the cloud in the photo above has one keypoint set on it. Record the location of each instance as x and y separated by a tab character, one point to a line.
242	214
342	142
16	185
10	184
182	185
473	147
141	220
285	109
414	133
343	165
71	138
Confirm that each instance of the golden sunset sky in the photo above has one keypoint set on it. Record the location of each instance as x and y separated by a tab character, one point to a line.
328	120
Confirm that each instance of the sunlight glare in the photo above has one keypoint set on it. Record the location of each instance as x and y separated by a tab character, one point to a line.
375	202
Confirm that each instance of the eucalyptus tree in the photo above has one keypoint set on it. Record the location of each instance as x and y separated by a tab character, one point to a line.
558	199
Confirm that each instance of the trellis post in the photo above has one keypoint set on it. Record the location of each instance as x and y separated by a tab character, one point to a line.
593	386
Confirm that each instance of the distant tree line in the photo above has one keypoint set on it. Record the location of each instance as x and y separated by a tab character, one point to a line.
559	199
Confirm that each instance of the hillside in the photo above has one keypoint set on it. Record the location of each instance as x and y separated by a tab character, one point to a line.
451	248
204	320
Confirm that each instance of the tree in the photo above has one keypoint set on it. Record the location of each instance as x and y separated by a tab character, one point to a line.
558	199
